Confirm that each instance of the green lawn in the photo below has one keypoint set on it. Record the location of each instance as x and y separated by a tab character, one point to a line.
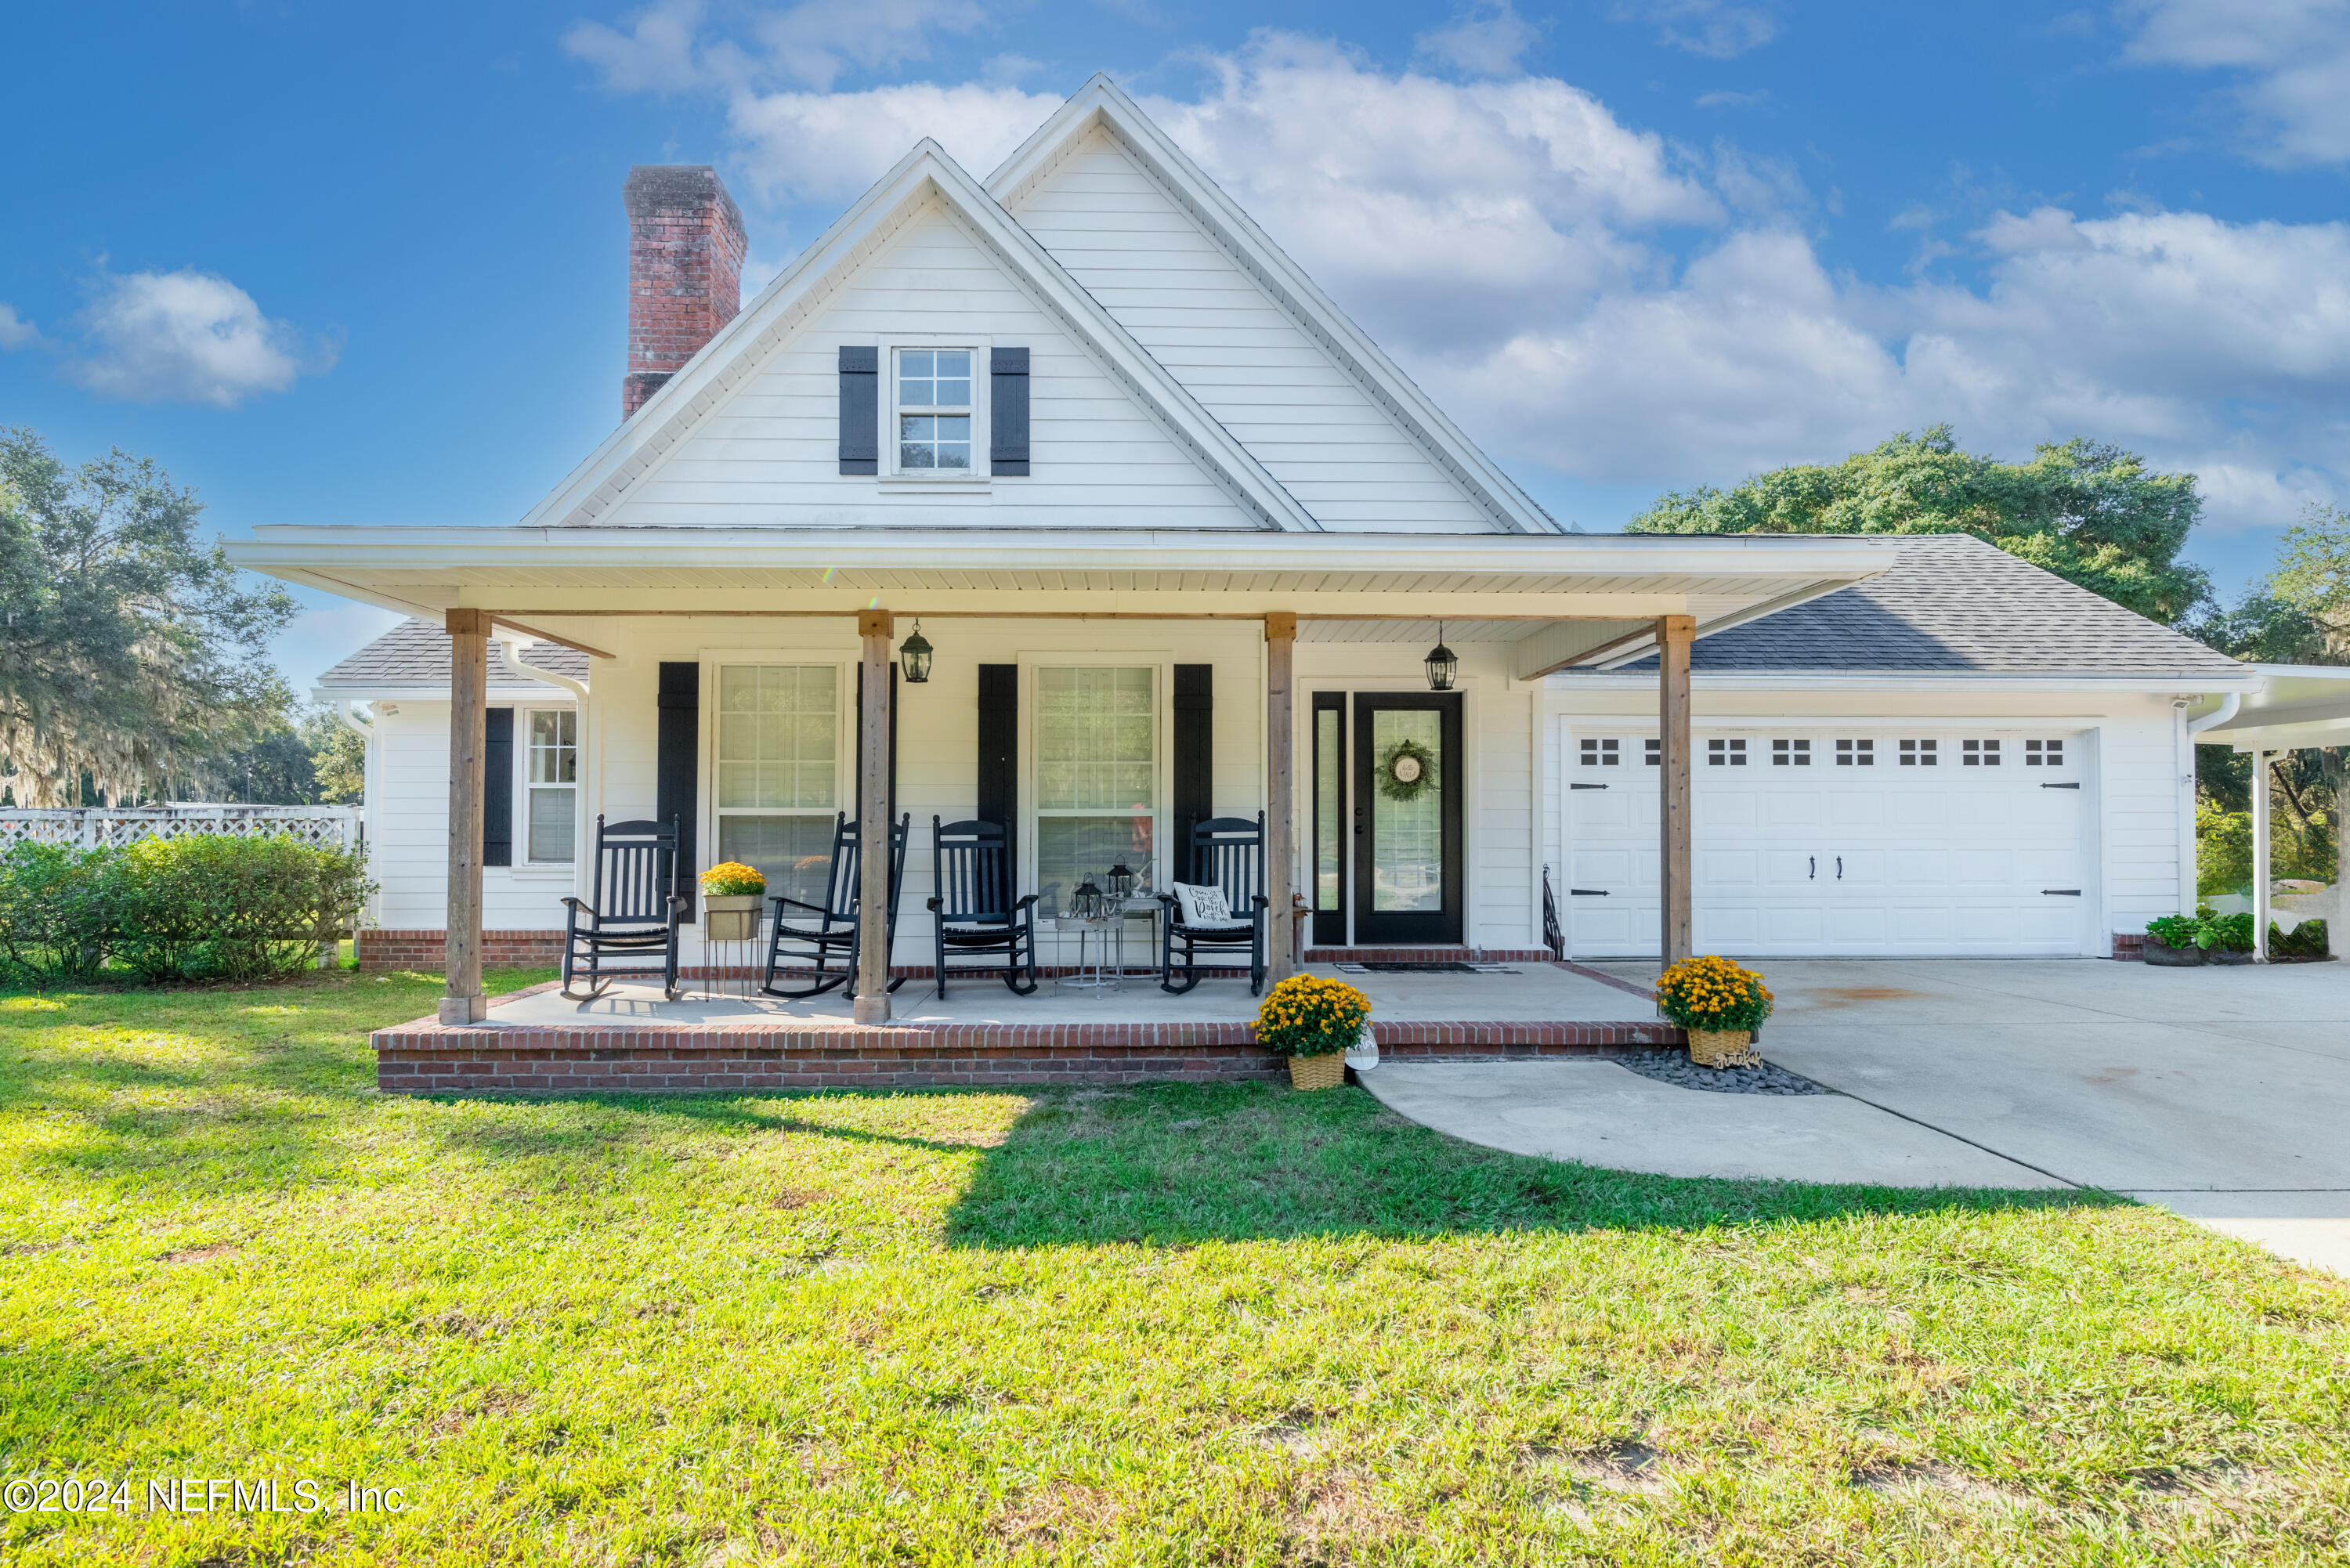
1179	1324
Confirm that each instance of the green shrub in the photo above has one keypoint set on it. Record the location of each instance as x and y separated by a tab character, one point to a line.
2174	930
198	907
55	913
2306	939
2226	933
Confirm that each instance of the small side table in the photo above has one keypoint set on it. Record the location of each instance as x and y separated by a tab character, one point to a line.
723	956
1101	974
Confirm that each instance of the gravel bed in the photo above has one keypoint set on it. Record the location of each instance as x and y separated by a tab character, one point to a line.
1675	1067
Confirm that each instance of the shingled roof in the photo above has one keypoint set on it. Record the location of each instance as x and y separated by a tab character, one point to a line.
1954	605
416	653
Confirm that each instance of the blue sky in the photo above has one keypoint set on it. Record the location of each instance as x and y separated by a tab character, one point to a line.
336	263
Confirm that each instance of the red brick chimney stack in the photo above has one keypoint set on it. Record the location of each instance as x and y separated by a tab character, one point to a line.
685	270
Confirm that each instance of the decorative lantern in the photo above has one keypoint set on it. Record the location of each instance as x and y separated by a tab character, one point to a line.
1121	882
1443	663
914	656
1085	903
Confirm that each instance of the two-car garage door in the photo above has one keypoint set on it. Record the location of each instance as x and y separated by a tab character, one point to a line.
1920	841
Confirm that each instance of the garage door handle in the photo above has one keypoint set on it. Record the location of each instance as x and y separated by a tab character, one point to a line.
1839	867
2043	786
2062	892
1587	892
1814	871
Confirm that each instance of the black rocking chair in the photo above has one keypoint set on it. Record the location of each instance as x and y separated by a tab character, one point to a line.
636	911
815	943
973	908
1227	852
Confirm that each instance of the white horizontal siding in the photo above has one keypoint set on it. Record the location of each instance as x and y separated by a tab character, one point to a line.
769	454
408	835
1151	266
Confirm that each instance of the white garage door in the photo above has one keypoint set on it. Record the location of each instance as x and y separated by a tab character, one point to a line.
1920	842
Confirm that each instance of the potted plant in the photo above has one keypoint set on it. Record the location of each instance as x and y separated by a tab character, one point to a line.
2171	941
730	893
1719	1004
1312	1022
2305	943
2225	939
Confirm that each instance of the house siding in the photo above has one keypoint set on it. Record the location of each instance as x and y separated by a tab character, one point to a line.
1106	219
768	455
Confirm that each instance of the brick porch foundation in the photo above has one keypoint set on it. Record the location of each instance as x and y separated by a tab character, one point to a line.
431	1058
429	951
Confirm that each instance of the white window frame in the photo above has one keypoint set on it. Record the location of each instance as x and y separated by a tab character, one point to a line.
524	788
844	748
1163	767
982	387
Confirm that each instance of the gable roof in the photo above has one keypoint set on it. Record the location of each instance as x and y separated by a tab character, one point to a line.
1952	604
1100	104
639	446
416	653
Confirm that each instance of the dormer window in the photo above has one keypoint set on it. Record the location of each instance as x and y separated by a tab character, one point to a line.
935	410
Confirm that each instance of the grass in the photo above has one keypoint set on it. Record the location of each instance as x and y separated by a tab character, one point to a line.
1219	1325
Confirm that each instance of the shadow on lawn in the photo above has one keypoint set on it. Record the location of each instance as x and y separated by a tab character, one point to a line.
1181	1163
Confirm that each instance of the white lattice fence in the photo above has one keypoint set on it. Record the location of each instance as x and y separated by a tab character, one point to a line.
94	827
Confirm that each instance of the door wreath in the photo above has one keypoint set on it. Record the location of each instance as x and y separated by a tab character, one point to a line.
1406	769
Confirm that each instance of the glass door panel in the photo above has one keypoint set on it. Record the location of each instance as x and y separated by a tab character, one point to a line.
1329	885
1407	818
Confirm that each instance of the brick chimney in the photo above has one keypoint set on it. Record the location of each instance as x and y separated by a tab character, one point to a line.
685	270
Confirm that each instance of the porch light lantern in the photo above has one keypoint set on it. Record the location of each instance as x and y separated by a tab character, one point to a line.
1443	663
914	656
1086	903
1120	877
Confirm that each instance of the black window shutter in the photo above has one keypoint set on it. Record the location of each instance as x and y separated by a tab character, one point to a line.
999	763
1007	414
856	805
1194	712
860	409
677	758
497	787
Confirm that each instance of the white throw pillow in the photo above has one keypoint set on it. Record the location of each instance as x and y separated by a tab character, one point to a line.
1204	906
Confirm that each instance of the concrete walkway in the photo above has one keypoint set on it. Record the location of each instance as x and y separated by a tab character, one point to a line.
2223	1093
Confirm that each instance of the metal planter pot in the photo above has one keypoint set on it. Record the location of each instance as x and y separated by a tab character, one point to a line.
730	917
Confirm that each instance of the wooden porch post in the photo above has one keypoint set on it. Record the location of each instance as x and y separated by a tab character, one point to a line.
872	1005
1673	635
469	667
1279	811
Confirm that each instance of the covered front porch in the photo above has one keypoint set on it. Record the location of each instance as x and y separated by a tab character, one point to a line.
1262	664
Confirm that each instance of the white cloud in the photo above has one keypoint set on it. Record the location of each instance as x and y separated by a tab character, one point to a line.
2291	59
827	146
186	336
16	332
810	44
1712	28
1486	40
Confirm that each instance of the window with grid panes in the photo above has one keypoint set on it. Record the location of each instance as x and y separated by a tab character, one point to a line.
1856	754
1096	776
551	784
1918	754
1598	753
778	753
1731	752
2043	753
1791	753
1979	753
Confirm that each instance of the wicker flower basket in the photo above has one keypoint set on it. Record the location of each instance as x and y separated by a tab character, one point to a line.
1326	1071
730	917
1723	1048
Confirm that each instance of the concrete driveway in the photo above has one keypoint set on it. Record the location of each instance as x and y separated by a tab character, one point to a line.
2223	1094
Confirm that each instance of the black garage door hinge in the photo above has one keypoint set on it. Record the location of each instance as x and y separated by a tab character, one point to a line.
2043	786
1588	892
2064	892
1587	786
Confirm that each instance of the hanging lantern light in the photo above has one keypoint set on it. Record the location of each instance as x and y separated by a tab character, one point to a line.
1443	663
914	656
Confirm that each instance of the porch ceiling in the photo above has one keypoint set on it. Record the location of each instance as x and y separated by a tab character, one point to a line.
1561	599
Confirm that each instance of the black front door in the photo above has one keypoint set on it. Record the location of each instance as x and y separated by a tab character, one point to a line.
1407	818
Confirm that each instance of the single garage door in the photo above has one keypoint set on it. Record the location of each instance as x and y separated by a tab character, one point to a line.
1813	843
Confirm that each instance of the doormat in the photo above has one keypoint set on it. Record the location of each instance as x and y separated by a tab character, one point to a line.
1446	966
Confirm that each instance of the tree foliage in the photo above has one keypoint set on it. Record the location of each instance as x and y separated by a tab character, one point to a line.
2089	512
132	656
2312	574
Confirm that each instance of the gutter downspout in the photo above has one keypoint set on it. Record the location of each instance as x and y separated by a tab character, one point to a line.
512	645
2231	703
